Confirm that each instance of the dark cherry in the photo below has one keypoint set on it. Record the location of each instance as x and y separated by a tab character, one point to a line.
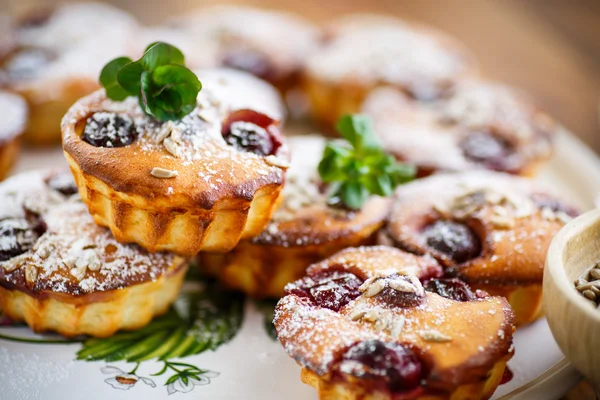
252	132
453	289
507	376
488	149
452	239
16	237
544	200
63	183
105	129
251	61
330	289
399	298
397	365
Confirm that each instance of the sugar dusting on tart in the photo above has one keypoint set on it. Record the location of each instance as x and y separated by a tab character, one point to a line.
363	55
453	333
13	115
193	148
72	255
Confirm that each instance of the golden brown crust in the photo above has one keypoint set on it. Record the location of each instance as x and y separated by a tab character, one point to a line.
506	215
304	230
336	390
477	125
461	343
359	54
13	117
219	195
99	315
9	151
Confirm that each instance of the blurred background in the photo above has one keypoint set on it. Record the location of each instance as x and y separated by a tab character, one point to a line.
551	48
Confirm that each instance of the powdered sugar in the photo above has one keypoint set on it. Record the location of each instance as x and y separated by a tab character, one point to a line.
13	115
73	255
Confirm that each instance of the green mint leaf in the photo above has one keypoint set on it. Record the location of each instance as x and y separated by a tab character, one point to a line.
165	88
129	77
357	130
361	169
108	79
159	53
353	194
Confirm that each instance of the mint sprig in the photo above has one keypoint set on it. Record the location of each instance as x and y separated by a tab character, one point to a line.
166	89
358	167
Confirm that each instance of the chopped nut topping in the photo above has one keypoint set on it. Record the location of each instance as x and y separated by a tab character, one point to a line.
276	162
162	173
434	336
31	273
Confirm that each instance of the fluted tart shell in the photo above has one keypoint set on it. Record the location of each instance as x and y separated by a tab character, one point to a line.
61	272
216	195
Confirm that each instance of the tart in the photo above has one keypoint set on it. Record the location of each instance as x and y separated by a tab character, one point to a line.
476	125
365	51
305	229
57	57
13	117
393	338
488	229
61	272
201	183
268	44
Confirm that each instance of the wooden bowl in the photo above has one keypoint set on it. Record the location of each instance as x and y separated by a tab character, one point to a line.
574	321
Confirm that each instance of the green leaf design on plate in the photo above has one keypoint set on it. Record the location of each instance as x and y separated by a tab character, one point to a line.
199	320
267	309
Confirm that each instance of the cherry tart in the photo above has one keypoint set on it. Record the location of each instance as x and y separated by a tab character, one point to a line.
362	52
13	117
305	229
201	183
61	272
57	56
488	229
363	327
476	125
268	44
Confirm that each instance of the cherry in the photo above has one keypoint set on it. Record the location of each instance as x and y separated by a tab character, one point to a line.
399	298
16	237
543	200
452	239
394	363
63	183
251	132
488	149
453	289
105	129
329	289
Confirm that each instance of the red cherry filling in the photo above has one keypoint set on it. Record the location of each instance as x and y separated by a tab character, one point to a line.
543	200
105	129
251	61
453	289
329	289
452	239
487	149
16	237
393	363
63	183
252	132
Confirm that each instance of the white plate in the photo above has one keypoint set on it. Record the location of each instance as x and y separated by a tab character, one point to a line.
254	367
